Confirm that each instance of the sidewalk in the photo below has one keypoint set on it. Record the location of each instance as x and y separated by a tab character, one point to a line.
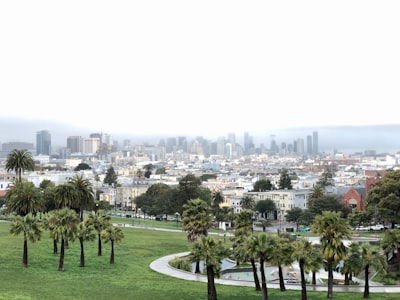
161	265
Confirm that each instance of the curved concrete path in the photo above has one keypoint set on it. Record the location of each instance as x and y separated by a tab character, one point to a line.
161	265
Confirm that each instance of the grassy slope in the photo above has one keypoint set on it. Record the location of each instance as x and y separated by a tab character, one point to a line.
129	278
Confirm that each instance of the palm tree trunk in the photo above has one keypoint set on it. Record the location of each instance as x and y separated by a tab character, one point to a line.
303	280
263	281
99	245
112	252
197	268
330	279
366	286
82	260
55	248
398	259
346	278
25	254
61	261
281	282
314	278
211	290
255	275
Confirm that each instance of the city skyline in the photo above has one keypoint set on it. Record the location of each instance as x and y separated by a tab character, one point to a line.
345	139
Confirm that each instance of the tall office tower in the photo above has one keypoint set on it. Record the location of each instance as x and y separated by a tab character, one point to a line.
232	141
315	143
248	144
274	149
309	145
43	142
228	151
221	146
74	143
171	145
300	146
284	148
91	145
182	144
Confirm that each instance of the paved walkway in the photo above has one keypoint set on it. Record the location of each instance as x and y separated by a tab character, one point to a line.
161	265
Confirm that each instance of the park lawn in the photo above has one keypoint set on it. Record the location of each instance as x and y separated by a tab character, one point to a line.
129	278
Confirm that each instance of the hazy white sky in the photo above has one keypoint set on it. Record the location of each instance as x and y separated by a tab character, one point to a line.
200	66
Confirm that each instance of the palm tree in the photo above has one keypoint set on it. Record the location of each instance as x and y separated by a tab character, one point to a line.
352	264
211	253
85	195
196	220
243	229
390	243
371	258
248	202
314	263
262	246
99	221
30	228
332	229
64	223
113	235
282	256
20	160
302	252
65	195
24	198
84	233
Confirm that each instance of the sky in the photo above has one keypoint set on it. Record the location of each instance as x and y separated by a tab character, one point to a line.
200	67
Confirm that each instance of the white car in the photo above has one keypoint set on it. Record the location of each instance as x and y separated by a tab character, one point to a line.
378	227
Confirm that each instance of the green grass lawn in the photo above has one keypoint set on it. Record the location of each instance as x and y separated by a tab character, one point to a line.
129	278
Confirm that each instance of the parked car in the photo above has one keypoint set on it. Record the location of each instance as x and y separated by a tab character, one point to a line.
304	229
361	228
378	227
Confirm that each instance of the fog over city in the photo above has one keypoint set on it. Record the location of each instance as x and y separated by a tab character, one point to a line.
346	139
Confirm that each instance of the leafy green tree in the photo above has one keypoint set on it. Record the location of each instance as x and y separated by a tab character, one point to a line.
371	258
248	202
262	246
265	206
100	221
84	194
111	177
113	235
329	202
84	233
212	253
314	262
262	185
23	197
20	160
161	171
196	220
285	182
148	168
294	215
332	229
29	227
326	178
82	167
63	223
384	197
